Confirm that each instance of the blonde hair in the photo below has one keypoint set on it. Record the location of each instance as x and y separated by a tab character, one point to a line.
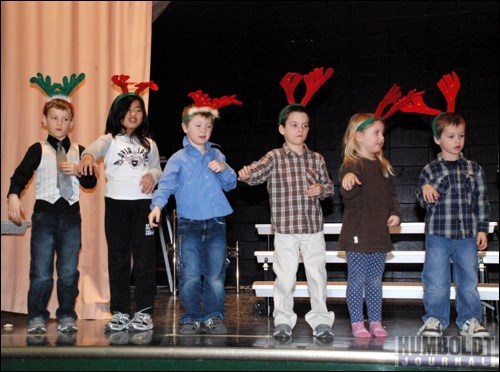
352	151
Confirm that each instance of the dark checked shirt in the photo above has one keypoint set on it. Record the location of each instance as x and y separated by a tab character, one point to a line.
462	209
288	175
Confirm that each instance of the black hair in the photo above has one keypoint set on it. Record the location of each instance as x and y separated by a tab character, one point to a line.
117	112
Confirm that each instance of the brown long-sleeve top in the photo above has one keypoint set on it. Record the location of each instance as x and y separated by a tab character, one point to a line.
367	208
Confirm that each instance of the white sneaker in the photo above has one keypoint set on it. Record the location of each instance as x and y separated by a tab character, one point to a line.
118	322
473	328
431	328
141	322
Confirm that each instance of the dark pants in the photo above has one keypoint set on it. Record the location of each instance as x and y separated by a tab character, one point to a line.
129	235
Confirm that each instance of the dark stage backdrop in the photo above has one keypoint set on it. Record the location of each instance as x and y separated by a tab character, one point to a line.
245	48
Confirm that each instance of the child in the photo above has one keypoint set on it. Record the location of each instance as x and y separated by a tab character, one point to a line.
370	208
56	220
132	170
452	189
297	178
198	176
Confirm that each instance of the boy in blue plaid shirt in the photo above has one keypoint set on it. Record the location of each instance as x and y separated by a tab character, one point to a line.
452	189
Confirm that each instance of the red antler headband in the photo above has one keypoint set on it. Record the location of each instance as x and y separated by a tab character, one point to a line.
313	80
392	97
449	85
203	103
123	83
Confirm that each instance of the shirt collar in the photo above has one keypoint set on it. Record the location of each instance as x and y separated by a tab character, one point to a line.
54	141
288	151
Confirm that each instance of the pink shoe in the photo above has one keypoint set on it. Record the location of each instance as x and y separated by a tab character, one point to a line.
359	330
377	330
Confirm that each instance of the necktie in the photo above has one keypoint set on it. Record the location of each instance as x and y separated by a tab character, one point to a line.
63	180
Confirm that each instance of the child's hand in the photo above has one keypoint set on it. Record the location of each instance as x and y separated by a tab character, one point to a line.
482	241
349	181
216	166
314	190
147	184
69	168
87	165
429	193
245	172
16	210
393	221
154	216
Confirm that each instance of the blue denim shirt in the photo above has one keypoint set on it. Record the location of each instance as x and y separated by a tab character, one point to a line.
199	192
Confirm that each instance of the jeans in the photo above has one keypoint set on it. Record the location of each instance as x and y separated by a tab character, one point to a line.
51	233
201	268
436	278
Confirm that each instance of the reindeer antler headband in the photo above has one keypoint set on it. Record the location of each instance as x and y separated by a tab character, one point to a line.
313	80
392	97
58	90
202	103
449	85
123	83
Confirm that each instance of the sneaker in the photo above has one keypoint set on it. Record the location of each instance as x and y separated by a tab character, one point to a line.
431	328
282	331
118	322
67	324
473	328
377	330
141	322
214	326
359	330
37	326
191	328
324	332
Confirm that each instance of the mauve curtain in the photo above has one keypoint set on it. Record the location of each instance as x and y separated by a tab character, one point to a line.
100	39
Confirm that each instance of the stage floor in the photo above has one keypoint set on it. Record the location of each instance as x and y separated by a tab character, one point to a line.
250	338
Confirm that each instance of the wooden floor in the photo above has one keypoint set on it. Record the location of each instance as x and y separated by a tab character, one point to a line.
250	338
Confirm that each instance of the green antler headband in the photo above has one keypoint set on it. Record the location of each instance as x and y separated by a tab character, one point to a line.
58	90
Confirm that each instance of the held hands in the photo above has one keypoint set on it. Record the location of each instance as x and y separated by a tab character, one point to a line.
429	193
154	216
245	172
16	210
349	181
147	184
216	166
87	165
393	221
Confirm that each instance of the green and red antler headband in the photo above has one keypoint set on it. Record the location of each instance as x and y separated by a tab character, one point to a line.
203	103
313	80
392	97
58	90
122	82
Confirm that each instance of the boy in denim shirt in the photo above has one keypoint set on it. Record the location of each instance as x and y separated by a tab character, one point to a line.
198	176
